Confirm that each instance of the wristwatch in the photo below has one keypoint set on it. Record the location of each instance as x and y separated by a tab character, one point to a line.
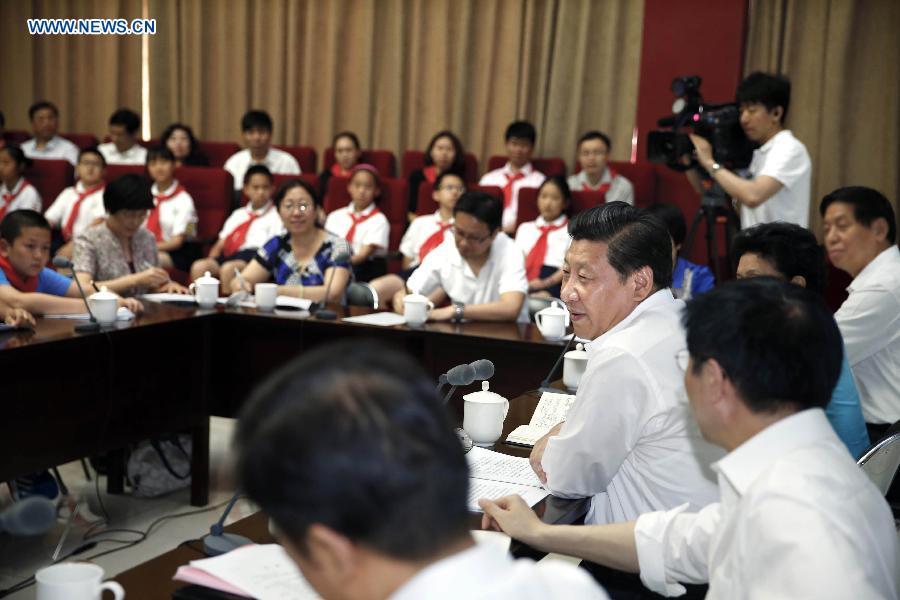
459	311
714	168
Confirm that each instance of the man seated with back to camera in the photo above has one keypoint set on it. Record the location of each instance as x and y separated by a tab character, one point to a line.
797	518
779	185
357	464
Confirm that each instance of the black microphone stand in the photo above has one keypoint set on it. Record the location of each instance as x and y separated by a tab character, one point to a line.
545	384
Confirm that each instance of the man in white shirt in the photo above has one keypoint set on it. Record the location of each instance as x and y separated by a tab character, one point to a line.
517	173
372	501
256	130
780	171
45	144
797	518
124	149
596	175
861	239
480	271
629	440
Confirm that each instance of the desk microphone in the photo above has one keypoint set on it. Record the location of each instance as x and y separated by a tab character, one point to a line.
61	262
218	542
31	516
457	376
484	369
318	310
545	384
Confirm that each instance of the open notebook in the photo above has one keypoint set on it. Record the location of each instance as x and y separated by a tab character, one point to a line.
551	411
494	475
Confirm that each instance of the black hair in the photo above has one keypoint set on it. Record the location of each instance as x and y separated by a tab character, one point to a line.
768	90
349	135
17	220
634	237
2	120
868	205
440	178
522	130
777	342
258	170
353	437
41	104
290	184
92	150
128	192
791	249
17	155
482	206
160	152
672	217
459	159
168	131
560	182
127	118
595	135
256	119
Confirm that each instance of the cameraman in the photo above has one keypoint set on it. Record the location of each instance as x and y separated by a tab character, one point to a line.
778	188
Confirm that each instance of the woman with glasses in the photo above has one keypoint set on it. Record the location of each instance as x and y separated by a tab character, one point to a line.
300	261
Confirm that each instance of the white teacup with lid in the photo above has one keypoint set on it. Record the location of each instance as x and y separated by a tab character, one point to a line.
483	415
575	362
416	308
104	306
553	320
205	290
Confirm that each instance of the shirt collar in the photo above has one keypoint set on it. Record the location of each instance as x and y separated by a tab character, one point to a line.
154	189
658	298
768	145
526	170
479	564
557	221
260	211
15	189
366	211
871	270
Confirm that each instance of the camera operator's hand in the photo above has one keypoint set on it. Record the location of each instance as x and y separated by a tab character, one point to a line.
704	151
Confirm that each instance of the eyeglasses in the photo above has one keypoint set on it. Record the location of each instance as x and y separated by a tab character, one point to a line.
475	239
290	207
454	188
683	358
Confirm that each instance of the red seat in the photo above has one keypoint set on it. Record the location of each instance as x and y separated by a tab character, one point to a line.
49	178
392	203
415	159
218	152
113	172
643	176
585	200
16	137
383	160
305	155
547	166
527	210
426	204
82	140
212	191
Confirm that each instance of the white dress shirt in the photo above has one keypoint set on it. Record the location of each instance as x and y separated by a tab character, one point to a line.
499	177
558	241
24	196
502	272
630	439
797	519
374	230
177	216
483	571
267	225
278	162
91	208
58	148
422	228
620	189
869	320
785	159
136	155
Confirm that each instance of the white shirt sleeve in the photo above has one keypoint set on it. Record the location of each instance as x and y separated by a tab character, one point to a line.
54	214
785	163
512	276
866	322
408	242
184	217
427	276
378	233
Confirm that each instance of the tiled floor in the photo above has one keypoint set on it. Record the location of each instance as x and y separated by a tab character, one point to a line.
21	557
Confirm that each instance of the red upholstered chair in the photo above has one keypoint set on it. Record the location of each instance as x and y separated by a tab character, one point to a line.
528	210
113	172
547	166
16	137
392	203
643	176
82	140
218	152
212	191
49	178
415	159
305	155
426	204
584	200
383	160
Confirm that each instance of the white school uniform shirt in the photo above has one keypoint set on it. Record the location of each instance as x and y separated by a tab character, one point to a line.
620	189
91	208
797	519
422	228
869	320
502	272
58	148
26	197
177	216
264	228
136	155
375	230
277	161
483	572
498	177
557	241
785	159
630	439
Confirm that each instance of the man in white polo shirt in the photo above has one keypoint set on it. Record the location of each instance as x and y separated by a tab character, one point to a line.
481	270
124	126
46	144
256	129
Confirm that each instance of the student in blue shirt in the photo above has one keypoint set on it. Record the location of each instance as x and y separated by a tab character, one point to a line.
25	281
788	251
688	279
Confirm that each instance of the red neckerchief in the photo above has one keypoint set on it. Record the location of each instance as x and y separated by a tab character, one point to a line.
73	215
538	252
508	188
604	187
337	171
430	174
434	240
153	220
9	197
357	219
236	238
23	284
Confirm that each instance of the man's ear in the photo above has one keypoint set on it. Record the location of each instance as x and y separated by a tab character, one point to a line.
722	393
879	227
330	552
642	280
799	280
778	113
4	247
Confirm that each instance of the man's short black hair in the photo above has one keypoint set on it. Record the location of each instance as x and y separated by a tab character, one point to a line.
258	170
595	135
256	119
522	130
868	205
768	90
777	342
41	104
440	178
160	152
792	250
634	239
673	218
127	118
482	206
353	437
17	220
94	151
128	192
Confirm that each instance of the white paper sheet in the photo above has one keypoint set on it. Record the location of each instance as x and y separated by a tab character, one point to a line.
280	302
263	571
123	314
161	297
550	412
494	466
482	488
383	319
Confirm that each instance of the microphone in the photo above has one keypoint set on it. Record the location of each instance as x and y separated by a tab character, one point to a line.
337	255
457	376
31	516
545	384
218	542
61	262
484	369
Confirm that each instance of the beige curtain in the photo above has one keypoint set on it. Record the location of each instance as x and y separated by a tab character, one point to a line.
396	71
86	76
843	58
